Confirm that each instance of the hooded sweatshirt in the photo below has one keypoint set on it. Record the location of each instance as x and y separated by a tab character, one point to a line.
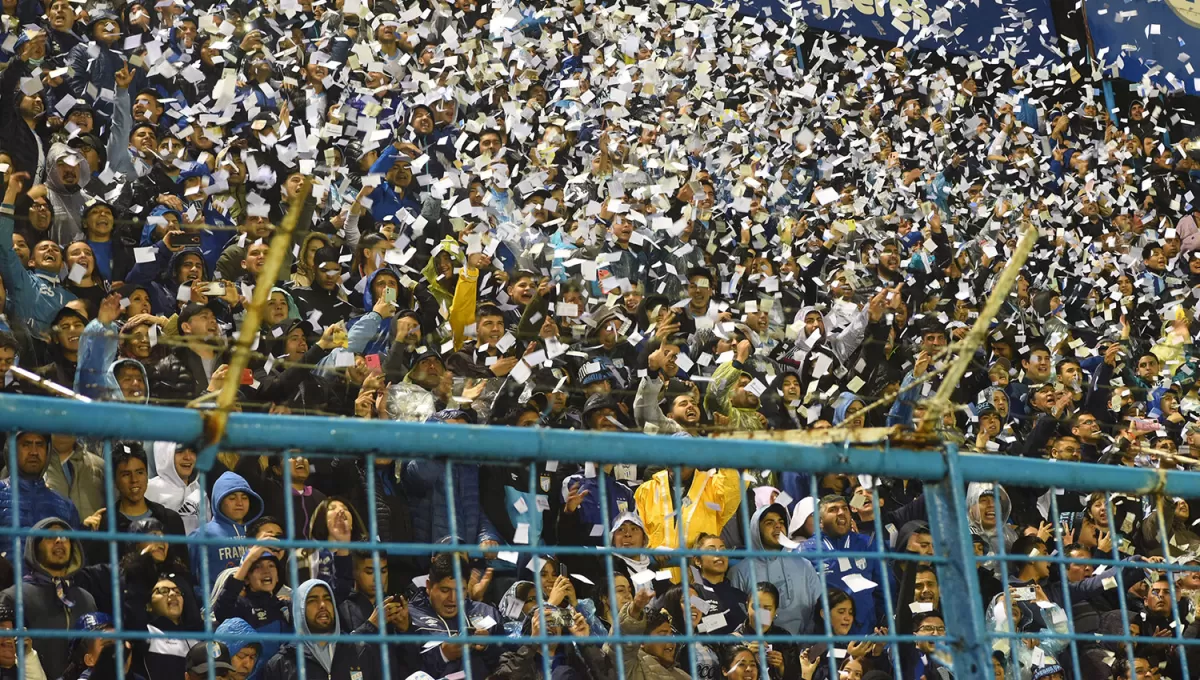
369	333
318	657
68	202
169	491
43	607
974	491
841	407
221	557
245	633
340	660
798	583
159	276
842	345
96	368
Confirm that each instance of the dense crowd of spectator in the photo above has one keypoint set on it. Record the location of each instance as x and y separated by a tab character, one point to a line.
601	216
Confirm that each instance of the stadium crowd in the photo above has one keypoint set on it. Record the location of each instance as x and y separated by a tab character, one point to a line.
602	216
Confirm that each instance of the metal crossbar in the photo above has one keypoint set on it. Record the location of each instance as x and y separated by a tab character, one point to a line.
965	647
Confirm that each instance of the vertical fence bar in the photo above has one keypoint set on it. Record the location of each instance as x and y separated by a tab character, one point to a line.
380	604
1066	583
1166	551
615	614
535	565
746	499
681	531
886	570
830	655
14	487
1001	529
289	509
115	575
205	568
1115	539
957	579
460	592
534	528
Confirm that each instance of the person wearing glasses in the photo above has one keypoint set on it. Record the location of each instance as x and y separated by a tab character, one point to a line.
917	660
165	657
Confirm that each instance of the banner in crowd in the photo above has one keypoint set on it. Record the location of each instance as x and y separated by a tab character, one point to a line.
996	28
1141	38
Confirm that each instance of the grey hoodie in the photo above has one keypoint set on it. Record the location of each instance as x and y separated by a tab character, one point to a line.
798	583
321	653
43	609
68	205
844	343
974	491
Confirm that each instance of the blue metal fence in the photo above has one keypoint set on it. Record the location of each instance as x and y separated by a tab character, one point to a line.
966	646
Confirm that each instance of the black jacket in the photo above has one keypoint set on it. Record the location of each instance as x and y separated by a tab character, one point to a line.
122	252
354	612
392	513
178	377
97	551
141	195
164	659
274	497
259	609
297	386
26	147
359	660
585	662
313	298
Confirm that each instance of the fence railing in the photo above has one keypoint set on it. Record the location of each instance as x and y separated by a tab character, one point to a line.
966	646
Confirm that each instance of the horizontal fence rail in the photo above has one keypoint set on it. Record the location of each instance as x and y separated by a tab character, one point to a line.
258	432
965	646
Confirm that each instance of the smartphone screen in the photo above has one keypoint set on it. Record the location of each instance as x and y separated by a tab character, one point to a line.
185	239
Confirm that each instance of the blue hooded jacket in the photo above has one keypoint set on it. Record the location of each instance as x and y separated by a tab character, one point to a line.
147	238
386	199
159	276
222	557
95	371
369	333
842	405
245	633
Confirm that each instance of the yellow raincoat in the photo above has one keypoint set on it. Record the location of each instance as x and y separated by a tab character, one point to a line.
711	502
